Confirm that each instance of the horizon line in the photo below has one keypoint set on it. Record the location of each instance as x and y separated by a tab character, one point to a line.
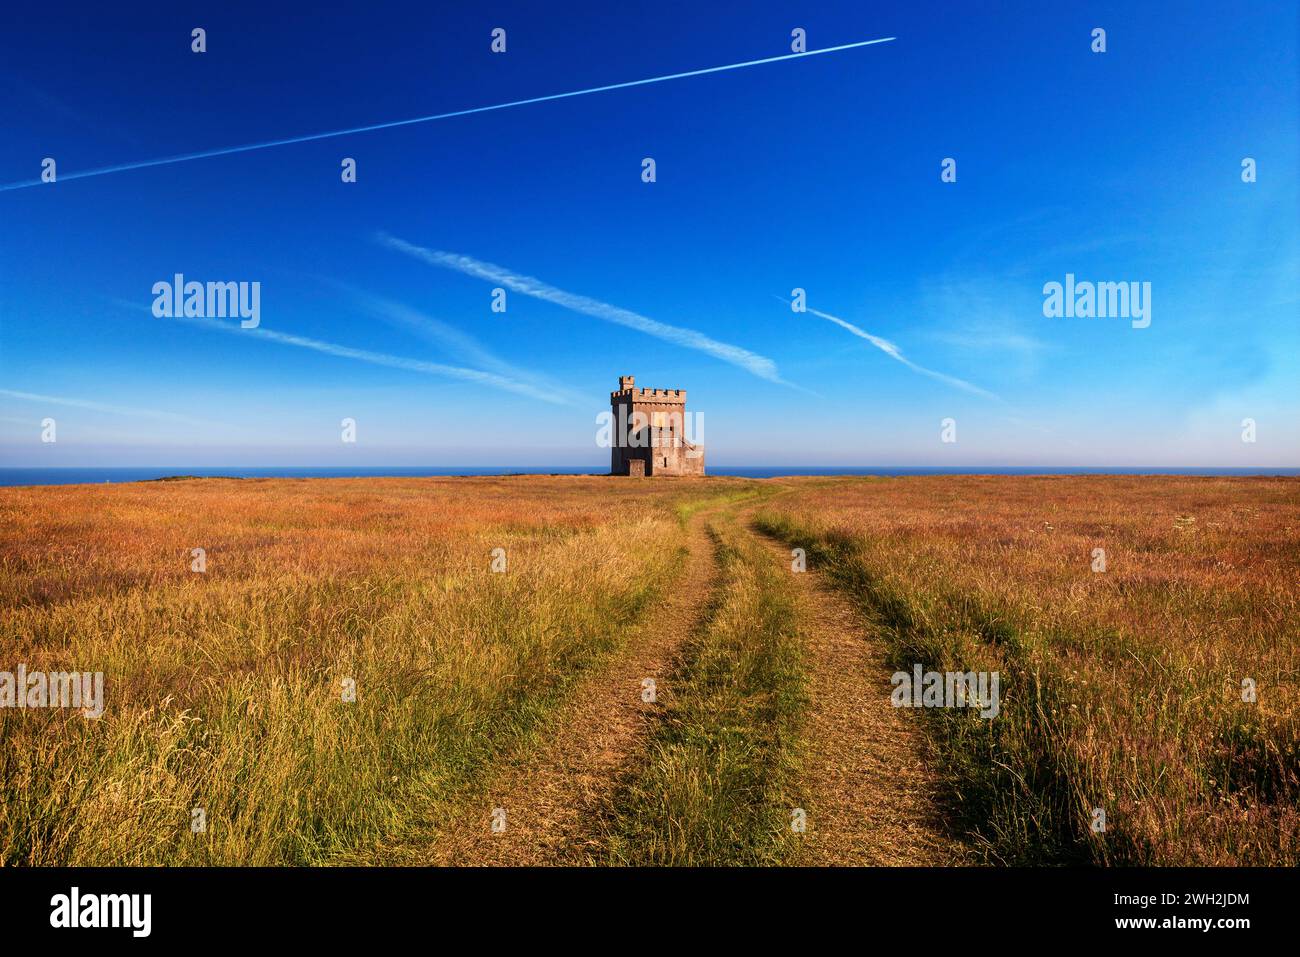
971	468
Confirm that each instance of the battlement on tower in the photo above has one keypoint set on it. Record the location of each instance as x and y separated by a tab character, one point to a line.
676	396
627	390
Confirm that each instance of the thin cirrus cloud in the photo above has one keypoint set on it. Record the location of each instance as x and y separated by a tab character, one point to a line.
477	376
495	380
992	339
988	316
460	344
94	406
751	362
895	353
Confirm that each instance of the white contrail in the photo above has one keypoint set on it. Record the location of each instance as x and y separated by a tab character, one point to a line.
891	350
312	137
382	359
461	345
104	407
760	366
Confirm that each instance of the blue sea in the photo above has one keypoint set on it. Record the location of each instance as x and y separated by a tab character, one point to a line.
98	476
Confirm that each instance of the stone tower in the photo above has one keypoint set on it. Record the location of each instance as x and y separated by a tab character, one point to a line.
649	433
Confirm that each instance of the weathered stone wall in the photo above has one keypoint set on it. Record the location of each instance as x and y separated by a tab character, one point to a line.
649	428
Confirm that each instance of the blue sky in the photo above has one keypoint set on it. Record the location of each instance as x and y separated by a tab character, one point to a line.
821	172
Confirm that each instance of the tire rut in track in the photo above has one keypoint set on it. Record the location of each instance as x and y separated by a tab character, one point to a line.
865	766
553	791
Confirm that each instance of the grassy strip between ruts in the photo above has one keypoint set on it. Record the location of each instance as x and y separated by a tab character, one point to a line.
716	789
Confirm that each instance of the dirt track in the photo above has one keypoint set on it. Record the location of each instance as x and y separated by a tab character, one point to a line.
871	797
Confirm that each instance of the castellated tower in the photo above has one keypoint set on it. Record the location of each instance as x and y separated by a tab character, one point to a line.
649	435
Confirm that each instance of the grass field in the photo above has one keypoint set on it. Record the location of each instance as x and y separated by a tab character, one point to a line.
1122	689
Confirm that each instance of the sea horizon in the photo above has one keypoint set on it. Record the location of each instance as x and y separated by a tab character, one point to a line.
78	475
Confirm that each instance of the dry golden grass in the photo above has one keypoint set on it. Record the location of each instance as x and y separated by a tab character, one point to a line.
223	688
1122	689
